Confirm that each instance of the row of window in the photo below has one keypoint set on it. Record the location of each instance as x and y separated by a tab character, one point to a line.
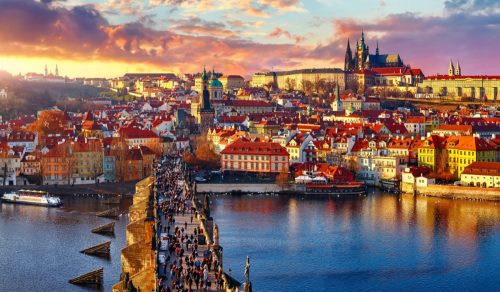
252	157
250	166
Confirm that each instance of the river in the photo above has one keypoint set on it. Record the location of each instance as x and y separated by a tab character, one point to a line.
378	242
39	246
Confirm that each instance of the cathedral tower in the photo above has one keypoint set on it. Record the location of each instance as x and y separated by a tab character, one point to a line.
451	69
348	63
458	70
206	112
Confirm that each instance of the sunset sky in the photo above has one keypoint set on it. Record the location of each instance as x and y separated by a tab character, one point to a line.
108	38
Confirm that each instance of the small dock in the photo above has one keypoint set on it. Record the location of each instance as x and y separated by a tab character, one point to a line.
91	278
106	229
100	250
112	213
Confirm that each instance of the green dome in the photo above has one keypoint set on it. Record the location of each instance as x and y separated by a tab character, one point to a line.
215	83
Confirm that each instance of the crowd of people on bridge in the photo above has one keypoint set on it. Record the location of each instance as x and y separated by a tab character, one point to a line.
183	269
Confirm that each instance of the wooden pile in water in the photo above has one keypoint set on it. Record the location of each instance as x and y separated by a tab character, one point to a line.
91	278
112	213
108	229
101	250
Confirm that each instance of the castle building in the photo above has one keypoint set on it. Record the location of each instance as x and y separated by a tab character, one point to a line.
362	59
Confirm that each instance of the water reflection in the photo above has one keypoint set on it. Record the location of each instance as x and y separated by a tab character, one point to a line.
39	246
380	240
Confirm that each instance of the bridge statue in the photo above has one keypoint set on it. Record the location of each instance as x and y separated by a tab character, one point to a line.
206	206
248	285
216	235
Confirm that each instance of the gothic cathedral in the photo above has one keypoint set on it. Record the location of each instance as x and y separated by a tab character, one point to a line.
363	60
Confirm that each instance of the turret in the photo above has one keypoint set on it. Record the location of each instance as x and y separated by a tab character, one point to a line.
458	70
451	69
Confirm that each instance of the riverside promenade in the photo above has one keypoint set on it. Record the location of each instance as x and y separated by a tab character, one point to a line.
172	242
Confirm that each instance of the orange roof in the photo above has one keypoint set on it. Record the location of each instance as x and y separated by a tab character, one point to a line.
463	128
258	148
483	168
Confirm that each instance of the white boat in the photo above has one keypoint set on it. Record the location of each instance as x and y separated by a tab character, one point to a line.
32	197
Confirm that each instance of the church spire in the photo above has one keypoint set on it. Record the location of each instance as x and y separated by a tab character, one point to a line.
458	70
451	69
348	57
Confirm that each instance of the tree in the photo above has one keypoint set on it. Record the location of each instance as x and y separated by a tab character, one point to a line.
49	122
307	87
442	169
351	163
282	179
203	155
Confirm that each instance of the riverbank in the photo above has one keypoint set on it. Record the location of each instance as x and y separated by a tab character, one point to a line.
105	189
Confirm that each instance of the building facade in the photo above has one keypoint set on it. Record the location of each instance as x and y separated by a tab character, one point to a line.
261	157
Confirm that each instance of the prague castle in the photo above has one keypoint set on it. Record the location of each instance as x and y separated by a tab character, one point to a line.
362	59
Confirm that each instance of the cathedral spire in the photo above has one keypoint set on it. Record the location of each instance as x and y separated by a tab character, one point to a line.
451	69
458	70
348	57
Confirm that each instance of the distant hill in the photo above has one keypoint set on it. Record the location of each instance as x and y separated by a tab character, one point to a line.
28	97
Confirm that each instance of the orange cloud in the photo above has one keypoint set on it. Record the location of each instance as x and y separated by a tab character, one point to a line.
278	32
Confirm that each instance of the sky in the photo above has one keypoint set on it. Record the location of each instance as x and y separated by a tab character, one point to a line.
107	38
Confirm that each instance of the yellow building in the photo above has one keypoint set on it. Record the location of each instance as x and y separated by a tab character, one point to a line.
87	159
232	83
454	153
455	87
297	79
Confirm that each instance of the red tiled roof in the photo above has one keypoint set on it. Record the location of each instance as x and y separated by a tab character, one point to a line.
483	168
446	77
135	133
258	148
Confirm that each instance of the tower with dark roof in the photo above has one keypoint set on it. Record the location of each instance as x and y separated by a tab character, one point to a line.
348	63
206	112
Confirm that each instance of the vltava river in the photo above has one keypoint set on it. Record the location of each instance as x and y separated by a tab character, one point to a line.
39	247
379	242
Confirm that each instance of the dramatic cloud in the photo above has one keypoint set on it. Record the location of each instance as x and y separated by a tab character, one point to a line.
197	26
278	32
256	8
428	42
129	7
81	33
55	30
472	6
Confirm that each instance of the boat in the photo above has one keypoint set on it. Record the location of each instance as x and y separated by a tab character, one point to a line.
32	197
390	185
354	188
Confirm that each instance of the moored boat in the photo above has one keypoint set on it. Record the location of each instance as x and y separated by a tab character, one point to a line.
32	197
355	188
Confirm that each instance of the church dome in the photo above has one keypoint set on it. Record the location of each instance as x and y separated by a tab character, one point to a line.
215	83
